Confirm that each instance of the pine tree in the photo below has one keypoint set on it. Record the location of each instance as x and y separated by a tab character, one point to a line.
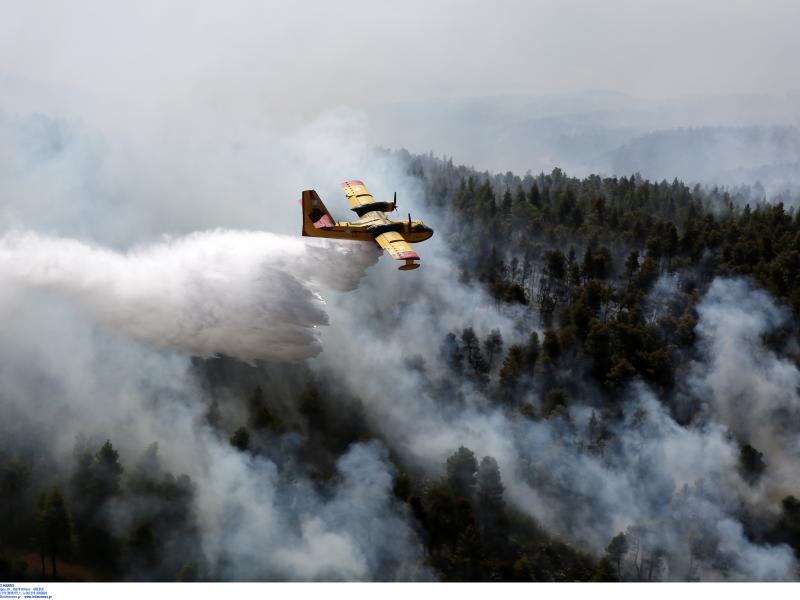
493	345
532	351
512	366
461	468
106	473
54	526
616	550
259	415
472	351
241	439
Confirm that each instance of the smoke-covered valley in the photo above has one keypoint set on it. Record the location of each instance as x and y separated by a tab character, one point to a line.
595	375
237	468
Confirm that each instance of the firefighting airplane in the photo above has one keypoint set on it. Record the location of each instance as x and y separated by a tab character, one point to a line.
372	224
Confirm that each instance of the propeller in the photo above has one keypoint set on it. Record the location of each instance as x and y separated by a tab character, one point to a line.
394	203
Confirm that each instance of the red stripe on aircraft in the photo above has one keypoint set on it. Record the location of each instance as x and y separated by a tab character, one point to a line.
325	221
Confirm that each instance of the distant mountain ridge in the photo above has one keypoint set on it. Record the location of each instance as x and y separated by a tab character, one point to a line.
704	139
726	155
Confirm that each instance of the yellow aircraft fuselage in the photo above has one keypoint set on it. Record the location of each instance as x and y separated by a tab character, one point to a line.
372	226
345	230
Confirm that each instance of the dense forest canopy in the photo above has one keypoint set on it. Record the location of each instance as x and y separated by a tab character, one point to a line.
625	298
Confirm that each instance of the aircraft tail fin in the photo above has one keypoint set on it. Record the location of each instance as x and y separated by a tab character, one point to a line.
316	217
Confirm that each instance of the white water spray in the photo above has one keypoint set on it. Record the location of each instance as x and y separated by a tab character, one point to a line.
251	295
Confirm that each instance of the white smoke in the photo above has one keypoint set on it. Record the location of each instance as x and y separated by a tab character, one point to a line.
100	314
65	376
250	295
181	164
750	385
754	392
260	526
669	486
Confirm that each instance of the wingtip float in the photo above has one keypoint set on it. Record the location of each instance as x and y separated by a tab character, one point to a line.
372	225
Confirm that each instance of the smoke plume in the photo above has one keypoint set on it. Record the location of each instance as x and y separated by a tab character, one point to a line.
675	490
96	342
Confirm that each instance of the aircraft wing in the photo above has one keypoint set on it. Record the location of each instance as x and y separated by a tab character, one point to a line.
357	193
397	247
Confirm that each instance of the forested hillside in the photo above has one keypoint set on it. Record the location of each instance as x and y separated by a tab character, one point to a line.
586	253
609	280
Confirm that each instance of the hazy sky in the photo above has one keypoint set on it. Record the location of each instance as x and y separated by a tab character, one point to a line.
285	60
